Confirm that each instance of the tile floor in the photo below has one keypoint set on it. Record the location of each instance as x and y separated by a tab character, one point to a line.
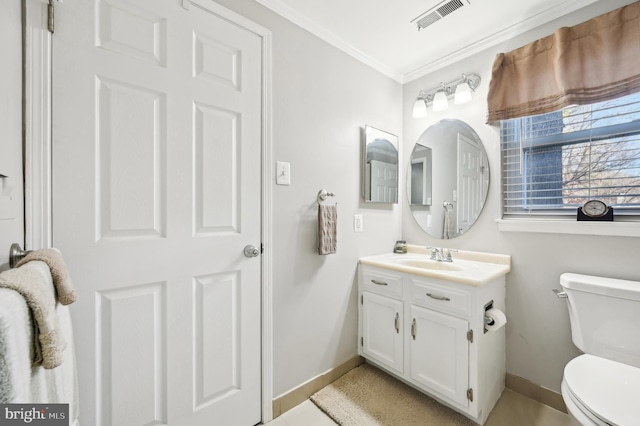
512	409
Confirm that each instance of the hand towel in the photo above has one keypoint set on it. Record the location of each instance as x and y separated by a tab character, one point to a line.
59	272
35	284
446	226
327	228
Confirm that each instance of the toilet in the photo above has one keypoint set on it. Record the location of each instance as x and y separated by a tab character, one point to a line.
602	386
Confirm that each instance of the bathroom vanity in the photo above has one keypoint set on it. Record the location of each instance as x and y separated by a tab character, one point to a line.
422	321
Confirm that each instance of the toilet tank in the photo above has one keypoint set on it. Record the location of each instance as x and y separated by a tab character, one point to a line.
605	316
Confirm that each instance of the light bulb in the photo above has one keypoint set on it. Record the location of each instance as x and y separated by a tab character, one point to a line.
419	108
440	102
463	93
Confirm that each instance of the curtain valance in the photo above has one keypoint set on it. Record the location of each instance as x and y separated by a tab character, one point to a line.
590	62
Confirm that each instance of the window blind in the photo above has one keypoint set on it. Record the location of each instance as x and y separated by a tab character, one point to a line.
553	163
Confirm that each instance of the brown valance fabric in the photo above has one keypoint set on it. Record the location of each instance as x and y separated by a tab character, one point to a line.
590	62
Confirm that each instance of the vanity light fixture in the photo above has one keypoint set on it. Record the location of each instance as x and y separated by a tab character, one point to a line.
461	89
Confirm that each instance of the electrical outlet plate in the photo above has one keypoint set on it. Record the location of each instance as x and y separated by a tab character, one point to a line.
357	223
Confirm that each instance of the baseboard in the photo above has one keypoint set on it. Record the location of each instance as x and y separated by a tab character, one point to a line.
536	392
287	401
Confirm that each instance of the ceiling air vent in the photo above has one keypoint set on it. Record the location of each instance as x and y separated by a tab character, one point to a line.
438	12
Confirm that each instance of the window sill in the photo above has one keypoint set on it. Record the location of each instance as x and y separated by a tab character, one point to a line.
563	226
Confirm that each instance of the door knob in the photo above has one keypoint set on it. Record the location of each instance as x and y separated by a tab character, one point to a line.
16	254
251	251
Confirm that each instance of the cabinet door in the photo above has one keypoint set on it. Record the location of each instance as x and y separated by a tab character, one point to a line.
440	353
382	330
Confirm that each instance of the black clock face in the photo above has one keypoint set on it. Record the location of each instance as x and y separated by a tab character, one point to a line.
594	208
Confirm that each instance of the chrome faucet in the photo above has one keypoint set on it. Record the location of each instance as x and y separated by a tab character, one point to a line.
441	255
436	254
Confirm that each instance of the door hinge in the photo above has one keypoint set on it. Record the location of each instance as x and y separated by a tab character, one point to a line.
362	299
362	342
470	394
470	336
50	17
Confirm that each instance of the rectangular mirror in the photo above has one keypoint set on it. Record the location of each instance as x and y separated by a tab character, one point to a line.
380	164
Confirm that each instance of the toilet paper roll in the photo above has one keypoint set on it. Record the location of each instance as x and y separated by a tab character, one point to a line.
498	317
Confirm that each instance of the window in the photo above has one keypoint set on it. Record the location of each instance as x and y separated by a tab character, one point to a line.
553	163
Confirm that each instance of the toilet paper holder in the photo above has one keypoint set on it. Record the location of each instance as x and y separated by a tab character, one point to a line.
487	319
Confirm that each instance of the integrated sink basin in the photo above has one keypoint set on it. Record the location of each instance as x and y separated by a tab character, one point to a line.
468	267
429	264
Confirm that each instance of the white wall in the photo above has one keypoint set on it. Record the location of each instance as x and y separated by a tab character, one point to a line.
538	333
321	98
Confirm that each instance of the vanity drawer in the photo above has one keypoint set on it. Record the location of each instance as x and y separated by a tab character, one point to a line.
381	281
442	297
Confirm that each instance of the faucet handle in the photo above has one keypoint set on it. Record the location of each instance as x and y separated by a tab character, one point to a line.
436	253
447	254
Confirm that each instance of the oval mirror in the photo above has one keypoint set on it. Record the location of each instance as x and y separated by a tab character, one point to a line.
447	179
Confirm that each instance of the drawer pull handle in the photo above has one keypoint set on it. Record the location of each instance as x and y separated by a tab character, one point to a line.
397	323
435	296
414	328
379	282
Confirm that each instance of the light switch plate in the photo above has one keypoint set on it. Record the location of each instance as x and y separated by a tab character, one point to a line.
283	173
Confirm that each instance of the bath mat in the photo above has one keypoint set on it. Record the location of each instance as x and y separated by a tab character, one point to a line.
366	396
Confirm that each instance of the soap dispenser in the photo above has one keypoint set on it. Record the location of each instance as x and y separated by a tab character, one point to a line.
400	247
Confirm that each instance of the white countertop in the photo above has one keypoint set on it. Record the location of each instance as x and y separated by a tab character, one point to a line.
468	267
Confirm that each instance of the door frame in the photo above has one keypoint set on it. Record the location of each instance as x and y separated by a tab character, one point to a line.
38	155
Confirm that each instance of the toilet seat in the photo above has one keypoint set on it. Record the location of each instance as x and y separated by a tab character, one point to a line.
604	390
578	412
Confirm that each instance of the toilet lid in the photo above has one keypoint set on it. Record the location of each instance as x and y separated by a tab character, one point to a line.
607	388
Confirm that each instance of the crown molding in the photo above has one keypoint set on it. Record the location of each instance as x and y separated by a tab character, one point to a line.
546	16
554	12
302	21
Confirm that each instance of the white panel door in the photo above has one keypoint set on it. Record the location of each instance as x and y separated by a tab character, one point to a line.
440	353
156	188
382	330
11	198
469	183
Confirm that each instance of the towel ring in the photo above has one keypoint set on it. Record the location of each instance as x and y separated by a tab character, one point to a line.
323	195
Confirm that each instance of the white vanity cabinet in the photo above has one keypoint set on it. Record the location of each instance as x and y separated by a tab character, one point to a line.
382	318
439	353
429	333
381	325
